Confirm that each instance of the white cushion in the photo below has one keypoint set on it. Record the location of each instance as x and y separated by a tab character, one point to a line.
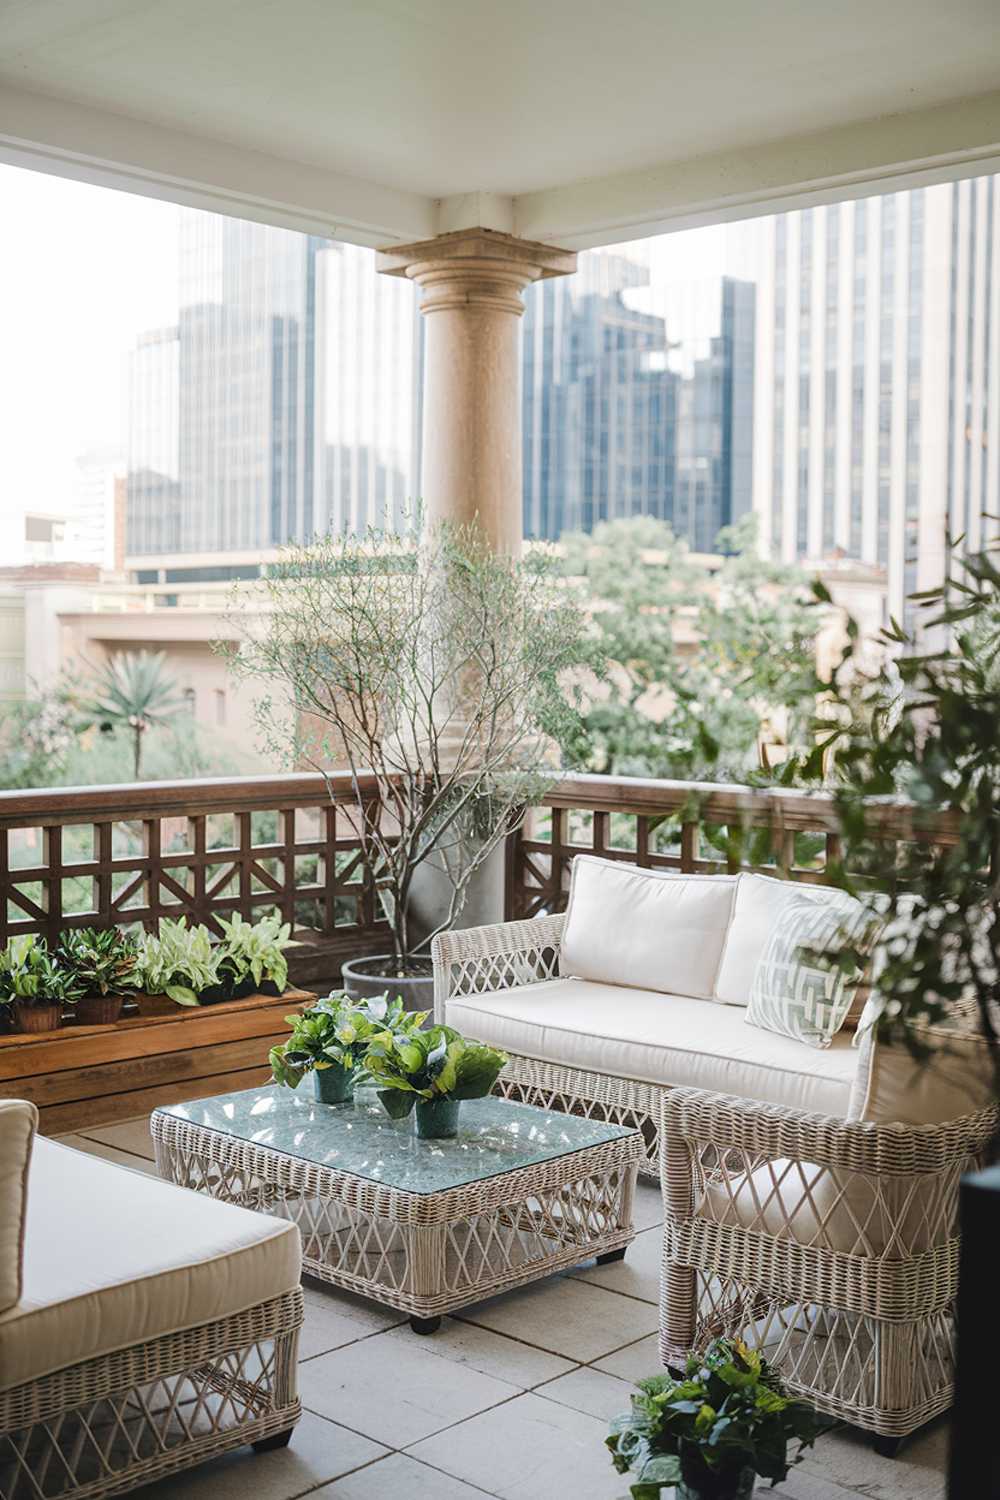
115	1257
652	929
632	1033
757	909
894	1088
18	1120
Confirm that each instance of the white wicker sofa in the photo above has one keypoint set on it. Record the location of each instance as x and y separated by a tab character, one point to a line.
810	1193
143	1328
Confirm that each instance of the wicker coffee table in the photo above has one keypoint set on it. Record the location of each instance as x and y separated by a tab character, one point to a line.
424	1226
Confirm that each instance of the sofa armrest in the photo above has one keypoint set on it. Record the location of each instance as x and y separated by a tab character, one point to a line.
18	1123
503	956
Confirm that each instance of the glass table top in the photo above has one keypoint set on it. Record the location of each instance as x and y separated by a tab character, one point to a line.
494	1135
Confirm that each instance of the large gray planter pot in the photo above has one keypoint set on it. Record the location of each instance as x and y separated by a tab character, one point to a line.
366	977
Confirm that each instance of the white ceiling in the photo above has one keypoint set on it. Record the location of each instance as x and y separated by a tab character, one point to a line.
442	97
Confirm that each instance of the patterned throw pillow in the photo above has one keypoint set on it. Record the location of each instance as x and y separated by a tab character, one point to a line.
793	991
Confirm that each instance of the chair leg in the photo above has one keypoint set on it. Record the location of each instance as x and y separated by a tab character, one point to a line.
887	1447
276	1440
612	1255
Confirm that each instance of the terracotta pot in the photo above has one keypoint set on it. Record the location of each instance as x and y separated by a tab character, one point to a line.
99	1010
37	1017
364	978
159	1005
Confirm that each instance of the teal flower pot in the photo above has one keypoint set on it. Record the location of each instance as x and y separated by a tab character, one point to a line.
334	1085
437	1119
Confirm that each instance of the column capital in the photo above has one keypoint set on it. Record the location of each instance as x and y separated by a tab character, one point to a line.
475	267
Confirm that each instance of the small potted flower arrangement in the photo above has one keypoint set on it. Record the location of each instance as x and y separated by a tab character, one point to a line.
432	1072
713	1431
104	961
330	1040
33	985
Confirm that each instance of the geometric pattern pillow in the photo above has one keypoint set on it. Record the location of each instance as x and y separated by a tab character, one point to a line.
794	992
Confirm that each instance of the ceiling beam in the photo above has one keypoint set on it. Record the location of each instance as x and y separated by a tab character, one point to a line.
118	151
961	139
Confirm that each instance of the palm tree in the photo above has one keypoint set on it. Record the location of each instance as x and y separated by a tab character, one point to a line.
133	691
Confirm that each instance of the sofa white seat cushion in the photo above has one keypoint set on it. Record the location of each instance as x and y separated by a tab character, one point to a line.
660	1039
18	1120
114	1257
653	929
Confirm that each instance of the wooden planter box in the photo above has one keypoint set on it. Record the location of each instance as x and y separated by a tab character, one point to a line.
95	1075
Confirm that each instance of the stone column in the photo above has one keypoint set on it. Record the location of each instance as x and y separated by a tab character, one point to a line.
471	282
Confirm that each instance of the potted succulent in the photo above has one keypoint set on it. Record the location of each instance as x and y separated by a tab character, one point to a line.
33	985
431	668
432	1071
176	964
331	1038
251	958
105	964
711	1432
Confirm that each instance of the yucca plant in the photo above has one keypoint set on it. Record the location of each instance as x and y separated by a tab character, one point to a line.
133	691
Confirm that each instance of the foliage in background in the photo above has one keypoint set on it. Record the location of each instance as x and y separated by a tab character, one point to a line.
696	669
36	739
435	1064
924	726
131	691
338	1031
726	1414
435	666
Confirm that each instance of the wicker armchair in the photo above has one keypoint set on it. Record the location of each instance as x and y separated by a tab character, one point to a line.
833	1246
507	956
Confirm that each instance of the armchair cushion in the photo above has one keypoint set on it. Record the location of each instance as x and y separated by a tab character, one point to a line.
18	1120
651	929
957	1078
631	1033
115	1258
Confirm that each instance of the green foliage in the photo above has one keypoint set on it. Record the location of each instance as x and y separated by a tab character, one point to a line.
178	961
104	960
36	738
31	975
131	691
922	725
338	1031
695	670
433	667
255	950
435	1064
728	1413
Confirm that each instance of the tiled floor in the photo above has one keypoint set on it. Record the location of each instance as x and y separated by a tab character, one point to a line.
510	1399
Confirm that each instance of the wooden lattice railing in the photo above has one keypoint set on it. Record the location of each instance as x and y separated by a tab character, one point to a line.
694	827
131	854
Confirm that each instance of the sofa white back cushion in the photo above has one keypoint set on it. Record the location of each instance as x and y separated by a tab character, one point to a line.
655	930
18	1120
757	910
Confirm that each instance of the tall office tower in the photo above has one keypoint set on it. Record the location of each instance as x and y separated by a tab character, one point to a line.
91	533
281	405
877	380
625	417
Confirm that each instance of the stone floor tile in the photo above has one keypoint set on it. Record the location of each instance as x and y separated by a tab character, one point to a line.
589	1390
109	1153
490	1353
526	1450
319	1452
567	1317
635	1361
335	1318
638	1275
847	1457
127	1135
390	1389
648	1207
401	1478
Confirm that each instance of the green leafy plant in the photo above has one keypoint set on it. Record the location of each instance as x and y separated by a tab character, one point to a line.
435	1064
104	959
132	691
729	1413
338	1031
254	950
178	961
31	975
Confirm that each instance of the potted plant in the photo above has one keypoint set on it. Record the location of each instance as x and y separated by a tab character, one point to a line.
433	1071
105	964
433	670
251	958
33	985
331	1038
176	964
711	1432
